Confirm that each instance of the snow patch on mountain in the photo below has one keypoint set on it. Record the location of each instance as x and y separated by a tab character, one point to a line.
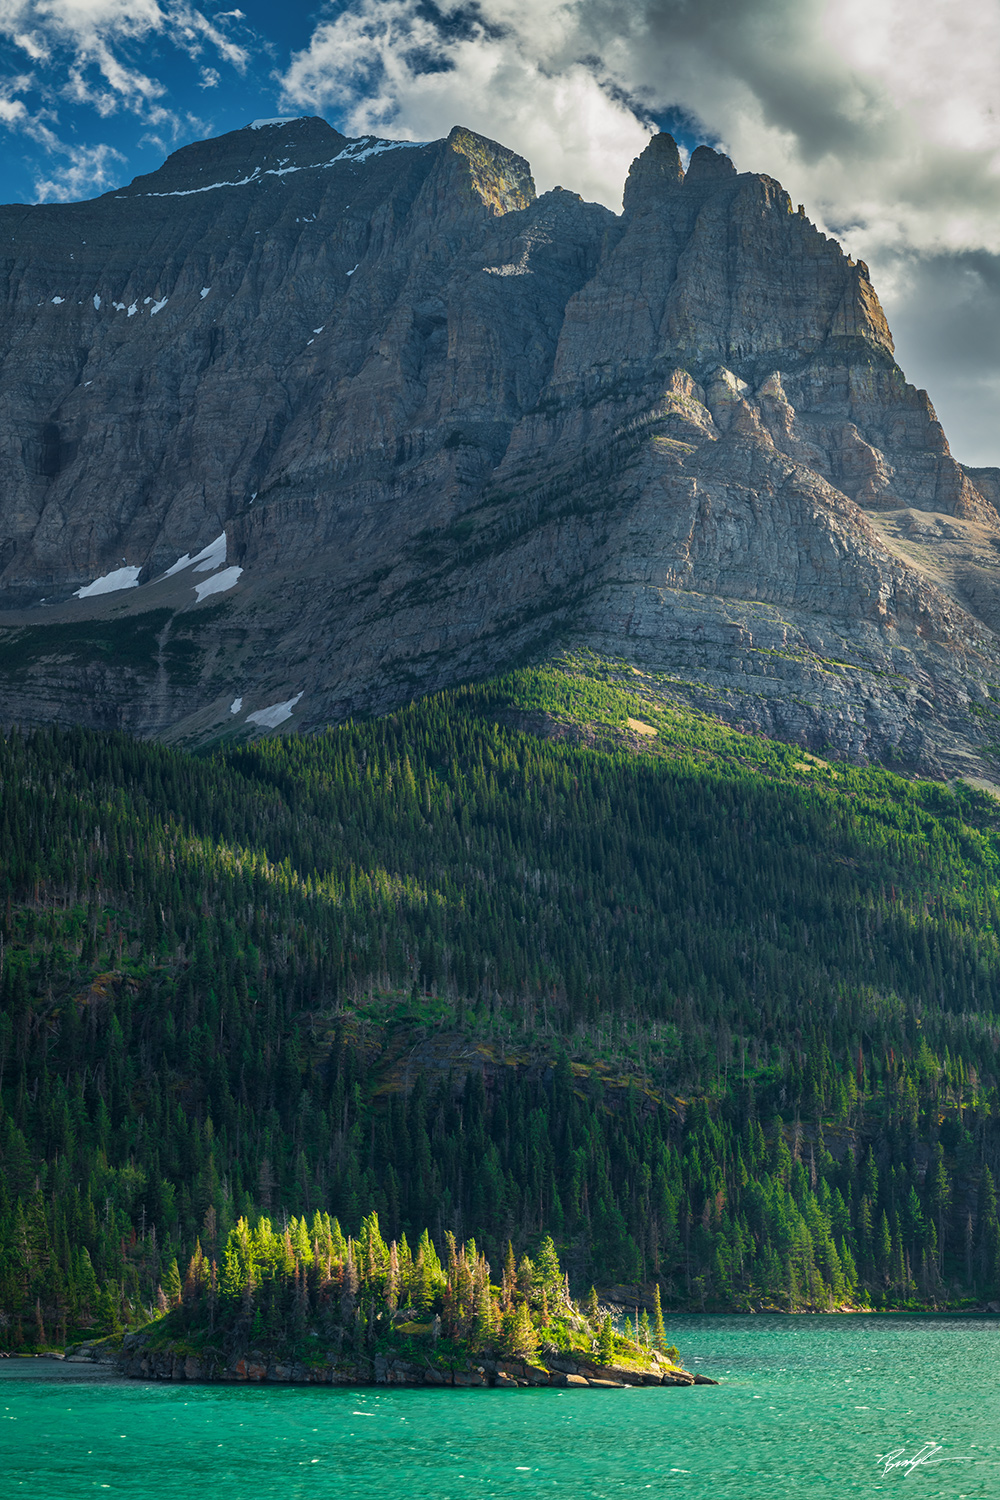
270	718
372	145
110	583
358	151
212	556
221	583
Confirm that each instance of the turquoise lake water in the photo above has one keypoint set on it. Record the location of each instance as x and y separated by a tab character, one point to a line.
805	1408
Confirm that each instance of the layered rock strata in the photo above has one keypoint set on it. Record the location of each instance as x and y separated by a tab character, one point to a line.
433	423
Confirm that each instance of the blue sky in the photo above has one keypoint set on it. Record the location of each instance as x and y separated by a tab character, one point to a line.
878	115
106	101
93	92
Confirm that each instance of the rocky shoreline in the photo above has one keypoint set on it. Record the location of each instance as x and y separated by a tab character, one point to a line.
136	1360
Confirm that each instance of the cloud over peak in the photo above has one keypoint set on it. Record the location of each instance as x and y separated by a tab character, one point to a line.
505	68
878	115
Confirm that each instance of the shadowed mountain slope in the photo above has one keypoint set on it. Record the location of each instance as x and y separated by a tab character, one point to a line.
443	424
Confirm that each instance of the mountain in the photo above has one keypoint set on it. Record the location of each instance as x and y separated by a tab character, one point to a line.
717	1016
318	425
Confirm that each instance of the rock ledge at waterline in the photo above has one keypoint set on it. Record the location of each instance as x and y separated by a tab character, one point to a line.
137	1361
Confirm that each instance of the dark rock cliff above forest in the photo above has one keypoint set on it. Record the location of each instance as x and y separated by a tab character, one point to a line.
435	423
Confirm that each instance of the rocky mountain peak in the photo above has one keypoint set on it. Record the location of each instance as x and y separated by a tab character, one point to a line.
657	170
499	177
708	167
242	154
859	314
300	426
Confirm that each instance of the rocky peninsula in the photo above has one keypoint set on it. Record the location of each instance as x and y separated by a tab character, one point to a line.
143	1356
305	1306
140	1358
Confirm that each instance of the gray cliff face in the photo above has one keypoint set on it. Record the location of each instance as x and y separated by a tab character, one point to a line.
442	423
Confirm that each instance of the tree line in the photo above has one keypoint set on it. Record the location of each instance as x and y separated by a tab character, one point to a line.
734	1026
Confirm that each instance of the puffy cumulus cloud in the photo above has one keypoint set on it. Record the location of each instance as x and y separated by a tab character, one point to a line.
87	170
878	115
873	111
880	111
506	69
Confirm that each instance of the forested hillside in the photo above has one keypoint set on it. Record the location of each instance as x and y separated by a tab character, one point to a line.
531	957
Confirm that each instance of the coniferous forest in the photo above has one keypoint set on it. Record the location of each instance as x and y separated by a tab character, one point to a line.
537	957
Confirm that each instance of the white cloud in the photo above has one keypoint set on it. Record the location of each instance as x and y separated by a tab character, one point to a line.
880	111
120	86
16	115
12	111
33	44
90	44
88	170
878	115
191	29
369	65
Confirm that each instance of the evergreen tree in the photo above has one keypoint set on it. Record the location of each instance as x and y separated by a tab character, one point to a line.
659	1332
171	1282
519	1338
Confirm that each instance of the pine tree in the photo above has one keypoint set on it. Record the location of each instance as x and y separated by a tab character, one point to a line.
86	1282
349	1284
509	1278
171	1282
659	1332
392	1280
485	1323
108	1313
518	1337
883	1249
939	1194
548	1271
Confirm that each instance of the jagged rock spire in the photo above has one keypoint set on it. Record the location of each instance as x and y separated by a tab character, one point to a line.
656	171
708	166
